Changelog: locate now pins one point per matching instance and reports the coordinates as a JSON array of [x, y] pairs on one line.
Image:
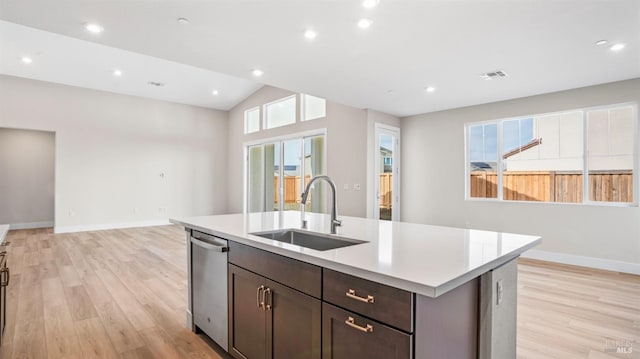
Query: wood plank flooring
[[573, 312], [122, 294], [103, 294]]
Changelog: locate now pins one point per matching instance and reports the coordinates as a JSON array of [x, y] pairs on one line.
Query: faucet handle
[[337, 222]]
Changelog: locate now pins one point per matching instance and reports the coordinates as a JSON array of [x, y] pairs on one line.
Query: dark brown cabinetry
[[268, 320], [4, 282], [364, 325], [346, 335], [282, 308], [381, 302]]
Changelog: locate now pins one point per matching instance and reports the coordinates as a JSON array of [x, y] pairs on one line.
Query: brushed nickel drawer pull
[[267, 298], [259, 297], [352, 294], [352, 323]]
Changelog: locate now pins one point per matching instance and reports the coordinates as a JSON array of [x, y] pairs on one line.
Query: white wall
[[346, 148], [434, 181], [112, 149], [27, 161]]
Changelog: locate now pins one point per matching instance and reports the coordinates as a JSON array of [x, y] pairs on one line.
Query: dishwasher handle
[[218, 248]]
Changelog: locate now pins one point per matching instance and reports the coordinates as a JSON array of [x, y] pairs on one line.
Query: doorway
[[387, 172], [27, 188]]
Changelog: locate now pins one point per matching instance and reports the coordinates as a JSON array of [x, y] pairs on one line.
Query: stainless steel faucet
[[334, 208]]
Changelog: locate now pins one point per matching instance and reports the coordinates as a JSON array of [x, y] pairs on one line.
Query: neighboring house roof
[[483, 166], [533, 143]]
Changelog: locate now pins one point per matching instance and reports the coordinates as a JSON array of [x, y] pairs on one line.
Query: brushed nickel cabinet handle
[[5, 280], [260, 297], [352, 294], [267, 298], [352, 323]]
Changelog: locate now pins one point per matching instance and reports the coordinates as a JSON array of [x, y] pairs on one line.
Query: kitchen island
[[407, 290]]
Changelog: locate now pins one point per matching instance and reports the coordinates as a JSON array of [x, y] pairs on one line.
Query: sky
[[483, 144], [386, 141]]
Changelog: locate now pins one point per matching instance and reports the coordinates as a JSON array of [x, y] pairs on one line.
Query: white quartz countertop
[[425, 259], [4, 229]]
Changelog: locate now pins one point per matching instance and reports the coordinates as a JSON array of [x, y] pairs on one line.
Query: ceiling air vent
[[156, 84], [494, 75]]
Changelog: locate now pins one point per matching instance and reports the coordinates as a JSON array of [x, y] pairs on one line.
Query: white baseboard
[[590, 262], [104, 226], [31, 225]]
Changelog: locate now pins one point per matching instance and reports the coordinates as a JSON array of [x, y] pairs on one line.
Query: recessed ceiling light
[[183, 21], [117, 72], [617, 47], [390, 92], [601, 42], [310, 34], [215, 92], [430, 89], [27, 59], [94, 28], [364, 23], [257, 72], [370, 4]]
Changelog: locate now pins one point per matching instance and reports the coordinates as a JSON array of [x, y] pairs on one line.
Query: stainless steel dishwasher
[[209, 286]]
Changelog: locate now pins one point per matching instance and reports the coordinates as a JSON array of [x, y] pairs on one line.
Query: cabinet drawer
[[304, 277], [389, 305], [346, 335]]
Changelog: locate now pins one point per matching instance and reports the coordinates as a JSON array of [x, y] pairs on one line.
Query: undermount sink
[[313, 240]]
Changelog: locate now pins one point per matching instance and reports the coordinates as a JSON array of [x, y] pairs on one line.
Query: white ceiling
[[66, 60], [544, 46]]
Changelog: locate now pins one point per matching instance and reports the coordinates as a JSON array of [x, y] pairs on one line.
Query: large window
[[278, 171], [284, 112], [554, 157]]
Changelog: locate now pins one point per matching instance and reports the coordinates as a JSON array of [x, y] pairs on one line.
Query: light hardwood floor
[[122, 294]]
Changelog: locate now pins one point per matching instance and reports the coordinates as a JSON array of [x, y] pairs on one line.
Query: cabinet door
[[247, 320], [346, 335], [293, 324]]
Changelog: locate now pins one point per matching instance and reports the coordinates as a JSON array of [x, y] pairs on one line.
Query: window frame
[[303, 108], [246, 122], [585, 157], [293, 136], [265, 117]]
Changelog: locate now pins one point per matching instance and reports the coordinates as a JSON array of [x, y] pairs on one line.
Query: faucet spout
[[335, 222]]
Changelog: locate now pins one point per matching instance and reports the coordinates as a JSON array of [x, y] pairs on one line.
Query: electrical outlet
[[136, 210], [345, 187], [72, 213]]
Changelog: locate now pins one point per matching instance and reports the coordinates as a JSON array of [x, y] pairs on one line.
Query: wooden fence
[[386, 190], [554, 186], [293, 189]]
